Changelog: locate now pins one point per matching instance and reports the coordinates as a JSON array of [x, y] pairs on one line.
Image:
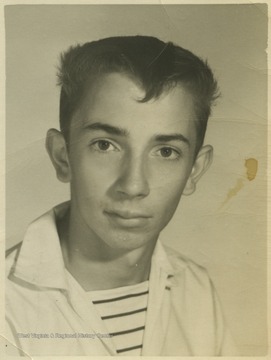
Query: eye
[[166, 152], [169, 153], [104, 146]]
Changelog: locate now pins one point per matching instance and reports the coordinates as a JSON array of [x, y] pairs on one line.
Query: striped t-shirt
[[124, 312]]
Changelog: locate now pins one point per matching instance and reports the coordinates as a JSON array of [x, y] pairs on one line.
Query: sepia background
[[223, 225]]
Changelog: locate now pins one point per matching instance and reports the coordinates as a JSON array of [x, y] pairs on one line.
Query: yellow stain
[[234, 191], [252, 168]]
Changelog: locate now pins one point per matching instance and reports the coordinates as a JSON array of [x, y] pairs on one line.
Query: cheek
[[90, 178], [172, 179], [168, 195]]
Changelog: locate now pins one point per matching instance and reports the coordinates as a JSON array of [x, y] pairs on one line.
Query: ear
[[57, 150], [201, 165]]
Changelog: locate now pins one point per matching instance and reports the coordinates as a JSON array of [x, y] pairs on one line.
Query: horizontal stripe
[[123, 314], [167, 288], [130, 348], [127, 331], [120, 298]]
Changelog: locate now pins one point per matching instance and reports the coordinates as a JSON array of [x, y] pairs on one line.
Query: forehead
[[115, 99]]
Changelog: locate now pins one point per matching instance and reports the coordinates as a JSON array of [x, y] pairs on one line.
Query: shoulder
[[181, 262], [187, 270], [11, 255], [191, 285], [13, 250]]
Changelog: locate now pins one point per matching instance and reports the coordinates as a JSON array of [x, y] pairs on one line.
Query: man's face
[[129, 161]]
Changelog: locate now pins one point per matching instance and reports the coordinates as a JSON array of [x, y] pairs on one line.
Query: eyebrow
[[115, 130], [172, 137]]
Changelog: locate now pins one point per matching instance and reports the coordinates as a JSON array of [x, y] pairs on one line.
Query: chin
[[128, 241]]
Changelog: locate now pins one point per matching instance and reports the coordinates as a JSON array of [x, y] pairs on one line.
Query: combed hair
[[154, 65]]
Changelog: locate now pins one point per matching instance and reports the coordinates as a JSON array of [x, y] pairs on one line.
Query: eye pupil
[[103, 145], [166, 152]]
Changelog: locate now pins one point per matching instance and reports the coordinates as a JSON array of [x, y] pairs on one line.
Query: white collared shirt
[[49, 313]]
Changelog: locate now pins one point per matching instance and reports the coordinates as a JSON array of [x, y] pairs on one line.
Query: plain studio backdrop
[[222, 226]]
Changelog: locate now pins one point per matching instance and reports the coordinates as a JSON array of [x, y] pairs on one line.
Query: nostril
[[133, 182], [134, 188]]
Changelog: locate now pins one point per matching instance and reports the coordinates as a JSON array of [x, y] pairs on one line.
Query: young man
[[91, 277]]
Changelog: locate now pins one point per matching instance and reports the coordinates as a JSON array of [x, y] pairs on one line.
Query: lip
[[128, 218], [127, 214]]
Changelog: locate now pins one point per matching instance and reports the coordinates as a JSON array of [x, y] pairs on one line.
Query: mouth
[[128, 214], [128, 218]]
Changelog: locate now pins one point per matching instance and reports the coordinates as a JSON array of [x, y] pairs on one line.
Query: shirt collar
[[40, 261], [160, 259]]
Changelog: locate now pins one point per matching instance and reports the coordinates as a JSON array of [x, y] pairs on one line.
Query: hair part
[[156, 66]]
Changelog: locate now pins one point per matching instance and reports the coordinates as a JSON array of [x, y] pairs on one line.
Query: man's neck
[[96, 266]]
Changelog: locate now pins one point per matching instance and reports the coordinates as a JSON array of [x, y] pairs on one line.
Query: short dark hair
[[154, 65]]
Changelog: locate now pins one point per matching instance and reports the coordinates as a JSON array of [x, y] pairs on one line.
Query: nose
[[132, 181]]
